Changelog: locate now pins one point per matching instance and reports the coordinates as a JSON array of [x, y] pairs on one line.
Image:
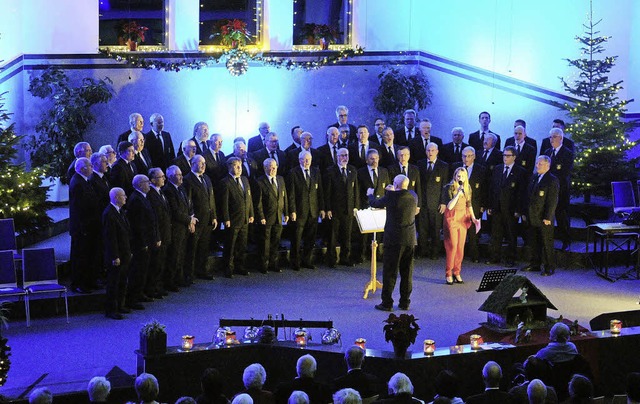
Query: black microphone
[[461, 188]]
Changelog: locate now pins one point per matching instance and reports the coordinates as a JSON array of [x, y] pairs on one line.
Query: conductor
[[399, 240]]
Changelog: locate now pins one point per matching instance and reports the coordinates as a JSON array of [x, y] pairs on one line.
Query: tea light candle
[[187, 342], [230, 337], [301, 338], [615, 326], [361, 342], [475, 341], [429, 346]]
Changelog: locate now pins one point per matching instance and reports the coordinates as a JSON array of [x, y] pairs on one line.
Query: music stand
[[491, 279], [371, 221]]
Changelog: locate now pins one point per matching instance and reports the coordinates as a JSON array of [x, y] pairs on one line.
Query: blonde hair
[[453, 185]]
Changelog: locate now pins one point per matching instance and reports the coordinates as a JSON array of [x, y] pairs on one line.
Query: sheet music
[[371, 220]]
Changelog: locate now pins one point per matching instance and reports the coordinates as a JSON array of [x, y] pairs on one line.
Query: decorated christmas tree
[[600, 133], [22, 197]]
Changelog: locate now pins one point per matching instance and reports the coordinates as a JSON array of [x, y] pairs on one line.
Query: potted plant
[[233, 34], [402, 331], [153, 338], [325, 35], [399, 91], [133, 33]]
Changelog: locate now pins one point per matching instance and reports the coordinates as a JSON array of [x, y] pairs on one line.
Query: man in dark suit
[[542, 199], [306, 141], [476, 139], [566, 142], [525, 153], [491, 375], [84, 228], [271, 206], [215, 160], [154, 286], [451, 152], [306, 204], [259, 141], [116, 235], [236, 213], [110, 153], [364, 383], [341, 200], [434, 174], [81, 149], [200, 190], [399, 240], [379, 126], [296, 131], [183, 160], [123, 171], [144, 237], [248, 165], [305, 381], [342, 114], [408, 131], [100, 184], [358, 150], [141, 159], [183, 223], [528, 140], [200, 137], [329, 150], [344, 140], [418, 145], [388, 150], [561, 168], [136, 123], [271, 150], [491, 155], [508, 191], [158, 143], [479, 189], [403, 167]]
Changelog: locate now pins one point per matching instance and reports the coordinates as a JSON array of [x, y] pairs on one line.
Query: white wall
[[10, 30]]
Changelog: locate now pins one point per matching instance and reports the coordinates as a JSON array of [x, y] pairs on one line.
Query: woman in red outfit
[[458, 217]]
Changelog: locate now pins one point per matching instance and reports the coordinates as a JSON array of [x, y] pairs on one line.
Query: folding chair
[[8, 282], [8, 237], [624, 198], [40, 275]]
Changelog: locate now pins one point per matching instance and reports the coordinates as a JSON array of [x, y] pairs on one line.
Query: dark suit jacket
[[432, 182], [447, 153], [182, 163], [400, 136], [416, 146], [490, 397], [492, 160], [305, 201], [142, 218], [202, 198], [179, 207], [255, 143], [160, 206], [293, 161], [236, 205], [527, 159], [399, 399], [269, 204], [116, 236], [141, 166], [386, 158], [71, 170], [199, 149], [414, 178], [318, 393], [121, 175], [365, 182], [326, 154], [566, 142], [528, 140], [561, 166], [476, 143], [508, 196], [479, 187], [400, 226], [101, 187], [161, 156], [123, 137], [354, 154], [84, 208], [215, 170], [254, 170], [341, 197], [261, 155], [353, 132], [364, 383], [542, 199]]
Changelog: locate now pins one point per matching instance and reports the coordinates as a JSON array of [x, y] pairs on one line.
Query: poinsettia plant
[[234, 33], [133, 31], [402, 328]]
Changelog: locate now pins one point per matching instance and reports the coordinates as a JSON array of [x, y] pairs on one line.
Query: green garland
[[237, 60]]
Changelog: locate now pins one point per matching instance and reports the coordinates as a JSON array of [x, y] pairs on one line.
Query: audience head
[[537, 392], [558, 123], [363, 134], [347, 396], [485, 119], [295, 134], [298, 397], [211, 382], [198, 164], [536, 368], [401, 182], [304, 158], [580, 389], [136, 138], [263, 128], [354, 356], [141, 183], [215, 142], [457, 135], [446, 384], [379, 125], [157, 122], [136, 121], [491, 374], [99, 162], [254, 376], [83, 166], [243, 398], [409, 118], [98, 389], [108, 151], [306, 366], [117, 196], [126, 152], [157, 177], [186, 400], [201, 131], [400, 384], [147, 387], [633, 387], [189, 148], [342, 113], [82, 149], [373, 158], [174, 174], [333, 134], [41, 395], [468, 156]]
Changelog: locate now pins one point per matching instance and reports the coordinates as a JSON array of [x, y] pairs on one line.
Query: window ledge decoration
[[236, 59]]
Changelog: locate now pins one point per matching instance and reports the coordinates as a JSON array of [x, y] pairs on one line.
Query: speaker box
[[629, 319]]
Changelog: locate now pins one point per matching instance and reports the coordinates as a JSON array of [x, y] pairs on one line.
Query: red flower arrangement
[[134, 32], [234, 33]]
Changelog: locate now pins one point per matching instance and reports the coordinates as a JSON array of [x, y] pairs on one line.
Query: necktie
[[344, 174], [215, 157], [468, 171], [484, 155], [375, 177], [246, 167], [505, 174], [161, 140], [131, 167], [363, 155], [306, 177], [239, 183], [203, 146], [482, 137], [273, 183], [457, 151], [553, 155], [335, 153], [273, 156], [391, 153], [426, 142], [404, 170], [429, 166], [409, 132], [518, 150]]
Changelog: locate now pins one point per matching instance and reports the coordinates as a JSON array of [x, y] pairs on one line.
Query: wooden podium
[[372, 221]]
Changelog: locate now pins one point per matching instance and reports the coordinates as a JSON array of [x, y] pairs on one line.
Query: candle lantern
[[361, 342], [230, 337], [301, 335], [475, 340], [187, 342], [615, 326], [429, 346]]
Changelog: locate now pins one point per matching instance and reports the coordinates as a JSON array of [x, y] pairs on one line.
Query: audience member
[[98, 389], [212, 385], [253, 378], [537, 392], [491, 375], [242, 399], [365, 383], [41, 395], [298, 397], [446, 386], [580, 390], [147, 388], [559, 349], [400, 391], [305, 381], [347, 396], [633, 388], [186, 400], [534, 369]]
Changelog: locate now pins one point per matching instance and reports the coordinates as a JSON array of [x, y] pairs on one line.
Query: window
[[116, 14], [318, 22], [216, 13]]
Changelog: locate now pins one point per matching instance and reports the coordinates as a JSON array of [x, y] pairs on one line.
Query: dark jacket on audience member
[[318, 393], [364, 383]]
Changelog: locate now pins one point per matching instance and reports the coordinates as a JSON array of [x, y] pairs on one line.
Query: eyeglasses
[[342, 115], [508, 155]]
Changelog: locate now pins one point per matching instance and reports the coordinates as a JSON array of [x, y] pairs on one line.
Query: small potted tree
[[153, 338], [402, 331]]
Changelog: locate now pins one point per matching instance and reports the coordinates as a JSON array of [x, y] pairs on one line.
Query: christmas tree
[[600, 134], [22, 196]]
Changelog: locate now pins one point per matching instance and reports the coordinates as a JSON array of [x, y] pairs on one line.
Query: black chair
[[624, 198], [563, 372], [8, 237], [40, 275], [8, 282]]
